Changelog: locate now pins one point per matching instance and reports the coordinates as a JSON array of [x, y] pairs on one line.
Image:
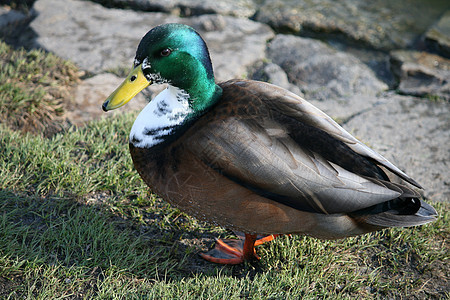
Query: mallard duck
[[254, 157]]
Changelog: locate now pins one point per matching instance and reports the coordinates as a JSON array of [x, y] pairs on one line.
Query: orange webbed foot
[[236, 251]]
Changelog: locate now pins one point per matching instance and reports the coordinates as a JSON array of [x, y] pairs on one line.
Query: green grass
[[23, 5], [74, 162], [34, 87], [77, 222]]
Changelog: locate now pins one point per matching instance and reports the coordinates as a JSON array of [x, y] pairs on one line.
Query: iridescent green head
[[174, 54]]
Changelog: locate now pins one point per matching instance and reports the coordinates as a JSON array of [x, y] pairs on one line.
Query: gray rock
[[98, 39], [12, 24], [235, 44], [343, 110], [414, 135], [382, 24], [438, 37], [321, 71], [273, 73], [95, 38], [421, 73], [237, 8], [10, 17]]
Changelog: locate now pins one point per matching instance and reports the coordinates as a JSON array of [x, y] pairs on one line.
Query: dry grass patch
[[35, 86]]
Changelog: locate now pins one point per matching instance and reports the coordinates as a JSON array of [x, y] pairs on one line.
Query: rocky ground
[[381, 68]]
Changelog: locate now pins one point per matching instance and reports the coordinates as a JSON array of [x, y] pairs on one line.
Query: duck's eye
[[166, 52]]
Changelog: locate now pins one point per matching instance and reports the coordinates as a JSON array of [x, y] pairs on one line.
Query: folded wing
[[280, 146]]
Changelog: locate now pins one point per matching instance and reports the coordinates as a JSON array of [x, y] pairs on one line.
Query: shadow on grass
[[61, 231], [59, 243]]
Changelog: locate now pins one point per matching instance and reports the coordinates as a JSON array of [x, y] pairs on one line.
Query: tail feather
[[401, 213], [426, 210], [404, 191]]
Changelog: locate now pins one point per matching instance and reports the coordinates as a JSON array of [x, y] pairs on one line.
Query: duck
[[253, 157]]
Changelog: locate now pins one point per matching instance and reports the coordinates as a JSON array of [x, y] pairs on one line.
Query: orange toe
[[226, 252], [266, 239], [236, 251]]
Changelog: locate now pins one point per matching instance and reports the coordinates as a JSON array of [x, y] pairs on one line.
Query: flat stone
[[99, 39], [320, 71], [237, 8], [381, 24], [438, 37], [421, 73], [414, 135]]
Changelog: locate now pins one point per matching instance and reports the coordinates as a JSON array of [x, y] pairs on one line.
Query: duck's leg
[[236, 251]]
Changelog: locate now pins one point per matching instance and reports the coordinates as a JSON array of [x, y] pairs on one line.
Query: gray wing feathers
[[274, 164], [299, 108]]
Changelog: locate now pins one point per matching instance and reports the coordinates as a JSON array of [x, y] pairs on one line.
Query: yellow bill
[[132, 85]]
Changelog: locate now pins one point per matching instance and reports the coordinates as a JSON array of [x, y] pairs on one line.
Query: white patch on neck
[[158, 119]]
